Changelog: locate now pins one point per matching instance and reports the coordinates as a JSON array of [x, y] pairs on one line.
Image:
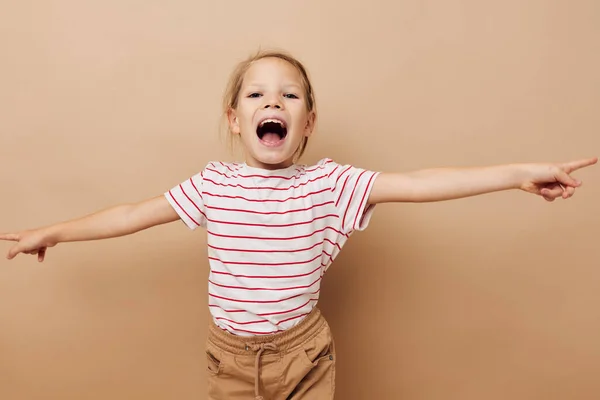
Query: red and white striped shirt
[[272, 234]]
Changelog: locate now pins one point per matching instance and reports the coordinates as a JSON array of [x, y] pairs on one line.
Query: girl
[[275, 226]]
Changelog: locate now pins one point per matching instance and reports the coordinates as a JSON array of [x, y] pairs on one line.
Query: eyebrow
[[260, 85]]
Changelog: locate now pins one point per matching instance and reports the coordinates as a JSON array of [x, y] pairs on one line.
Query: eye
[[290, 96], [254, 95]]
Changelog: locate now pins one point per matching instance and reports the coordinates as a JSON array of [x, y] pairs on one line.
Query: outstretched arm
[[547, 180], [112, 222]]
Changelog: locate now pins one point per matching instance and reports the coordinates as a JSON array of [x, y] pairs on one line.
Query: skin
[[271, 87], [548, 180], [274, 87]]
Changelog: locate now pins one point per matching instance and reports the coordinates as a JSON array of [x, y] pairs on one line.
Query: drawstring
[[261, 349]]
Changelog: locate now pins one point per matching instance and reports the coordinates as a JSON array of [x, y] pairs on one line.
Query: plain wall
[[490, 297]]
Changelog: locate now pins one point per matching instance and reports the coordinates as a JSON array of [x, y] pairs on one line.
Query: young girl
[[275, 226]]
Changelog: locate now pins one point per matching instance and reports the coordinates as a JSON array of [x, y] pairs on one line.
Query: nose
[[273, 103]]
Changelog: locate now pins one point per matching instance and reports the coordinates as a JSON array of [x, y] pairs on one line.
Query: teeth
[[272, 120]]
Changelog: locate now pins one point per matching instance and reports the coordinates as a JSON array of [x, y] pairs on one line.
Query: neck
[[272, 167]]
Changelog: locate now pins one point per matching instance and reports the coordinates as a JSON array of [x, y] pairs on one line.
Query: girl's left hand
[[553, 180]]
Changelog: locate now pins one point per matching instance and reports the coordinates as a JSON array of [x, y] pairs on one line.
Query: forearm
[[113, 222], [440, 184], [108, 223]]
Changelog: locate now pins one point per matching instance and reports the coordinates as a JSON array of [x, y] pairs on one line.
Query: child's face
[[272, 91]]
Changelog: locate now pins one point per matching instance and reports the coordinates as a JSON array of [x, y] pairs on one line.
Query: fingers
[[16, 249], [568, 192], [565, 179], [552, 192], [556, 190], [575, 165], [10, 236], [546, 197], [30, 245], [42, 254], [12, 253], [565, 184]]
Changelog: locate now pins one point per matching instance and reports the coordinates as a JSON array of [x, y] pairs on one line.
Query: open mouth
[[271, 131]]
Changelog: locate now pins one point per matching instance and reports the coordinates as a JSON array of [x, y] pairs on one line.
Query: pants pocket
[[320, 350], [214, 362], [315, 375]]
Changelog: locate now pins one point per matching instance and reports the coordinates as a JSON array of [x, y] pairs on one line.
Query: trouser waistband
[[309, 326]]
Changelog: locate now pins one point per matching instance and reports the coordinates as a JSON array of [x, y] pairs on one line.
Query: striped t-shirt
[[272, 234]]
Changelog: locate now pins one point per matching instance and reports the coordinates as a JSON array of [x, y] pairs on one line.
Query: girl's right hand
[[28, 242]]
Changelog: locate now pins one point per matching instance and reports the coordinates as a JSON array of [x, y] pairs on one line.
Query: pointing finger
[[575, 165], [10, 236]]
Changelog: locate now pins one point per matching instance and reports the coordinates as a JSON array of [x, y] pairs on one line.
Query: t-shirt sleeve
[[186, 199], [351, 187]]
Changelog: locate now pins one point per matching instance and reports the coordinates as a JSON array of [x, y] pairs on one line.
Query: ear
[[234, 125], [310, 124]]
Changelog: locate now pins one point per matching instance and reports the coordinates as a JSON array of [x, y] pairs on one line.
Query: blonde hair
[[234, 86]]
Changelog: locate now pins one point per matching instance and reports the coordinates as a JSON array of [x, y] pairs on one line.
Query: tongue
[[271, 137]]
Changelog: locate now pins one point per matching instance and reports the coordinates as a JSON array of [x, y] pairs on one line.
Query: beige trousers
[[292, 365]]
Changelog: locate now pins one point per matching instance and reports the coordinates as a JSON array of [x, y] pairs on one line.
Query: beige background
[[492, 297]]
